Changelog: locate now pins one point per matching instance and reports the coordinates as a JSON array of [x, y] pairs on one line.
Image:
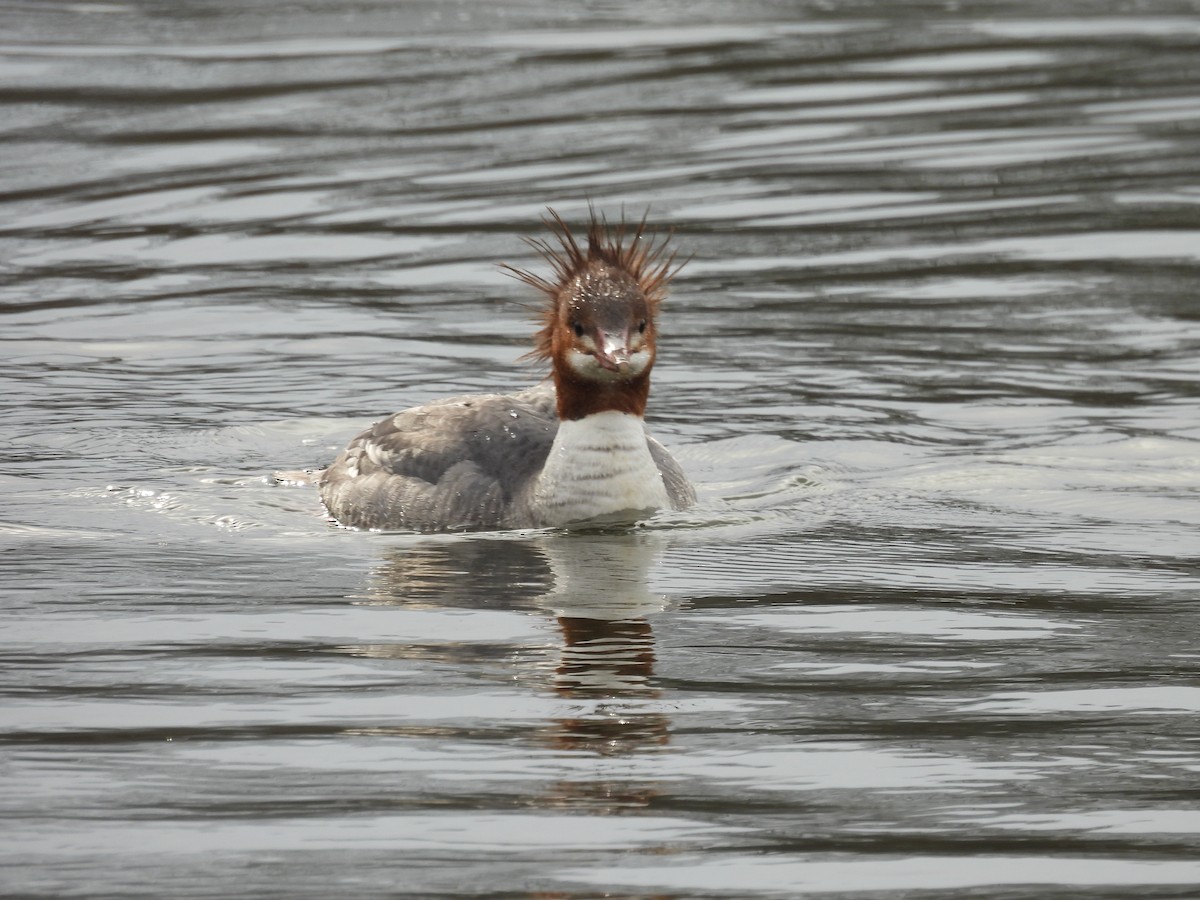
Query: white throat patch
[[599, 468]]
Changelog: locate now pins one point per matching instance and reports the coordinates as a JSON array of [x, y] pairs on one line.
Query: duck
[[571, 451]]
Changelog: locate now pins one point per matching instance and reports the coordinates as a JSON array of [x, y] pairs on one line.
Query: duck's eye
[[578, 329], [642, 327]]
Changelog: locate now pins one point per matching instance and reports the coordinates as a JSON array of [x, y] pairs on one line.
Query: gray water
[[934, 367]]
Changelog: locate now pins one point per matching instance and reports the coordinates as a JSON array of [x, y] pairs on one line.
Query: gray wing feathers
[[448, 465], [679, 489]]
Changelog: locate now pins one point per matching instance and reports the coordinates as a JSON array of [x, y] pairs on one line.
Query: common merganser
[[571, 452]]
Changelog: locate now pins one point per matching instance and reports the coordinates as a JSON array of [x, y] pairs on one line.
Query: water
[[933, 367]]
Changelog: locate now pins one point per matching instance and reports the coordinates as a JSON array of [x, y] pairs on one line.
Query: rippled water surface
[[934, 366]]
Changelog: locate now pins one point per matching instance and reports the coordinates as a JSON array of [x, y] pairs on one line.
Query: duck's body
[[572, 452], [492, 461]]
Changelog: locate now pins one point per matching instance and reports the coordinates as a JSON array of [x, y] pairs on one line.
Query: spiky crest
[[642, 259]]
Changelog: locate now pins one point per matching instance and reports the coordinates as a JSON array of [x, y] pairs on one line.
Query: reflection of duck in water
[[601, 596], [557, 454], [596, 587]]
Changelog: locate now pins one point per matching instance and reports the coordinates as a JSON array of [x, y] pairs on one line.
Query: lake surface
[[934, 366]]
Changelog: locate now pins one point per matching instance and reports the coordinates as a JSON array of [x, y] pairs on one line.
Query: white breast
[[599, 468]]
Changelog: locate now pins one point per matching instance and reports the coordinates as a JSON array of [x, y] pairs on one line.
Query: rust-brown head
[[599, 322]]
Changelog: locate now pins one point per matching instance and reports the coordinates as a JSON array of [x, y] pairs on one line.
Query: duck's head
[[599, 322]]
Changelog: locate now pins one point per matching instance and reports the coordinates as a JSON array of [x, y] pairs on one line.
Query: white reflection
[[604, 577]]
